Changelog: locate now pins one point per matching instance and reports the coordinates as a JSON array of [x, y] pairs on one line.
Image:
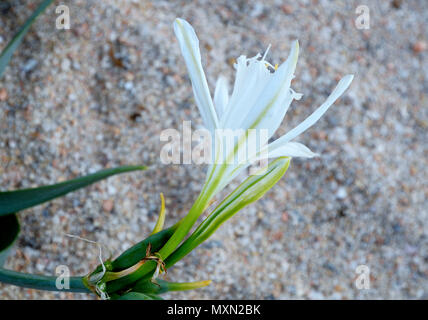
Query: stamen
[[266, 52], [267, 64]]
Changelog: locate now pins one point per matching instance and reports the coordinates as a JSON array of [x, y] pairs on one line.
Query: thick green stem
[[40, 282]]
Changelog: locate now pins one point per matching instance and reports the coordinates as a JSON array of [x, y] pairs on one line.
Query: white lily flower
[[260, 99]]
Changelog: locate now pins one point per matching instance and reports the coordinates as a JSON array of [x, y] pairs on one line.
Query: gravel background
[[98, 95]]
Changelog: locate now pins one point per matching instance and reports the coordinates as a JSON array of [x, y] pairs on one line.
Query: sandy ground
[[99, 95]]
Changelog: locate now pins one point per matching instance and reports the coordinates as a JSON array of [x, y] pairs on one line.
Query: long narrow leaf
[[7, 53], [14, 201]]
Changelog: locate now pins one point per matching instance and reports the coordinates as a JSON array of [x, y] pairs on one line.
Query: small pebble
[[3, 94], [341, 193], [287, 9], [420, 46], [108, 205]]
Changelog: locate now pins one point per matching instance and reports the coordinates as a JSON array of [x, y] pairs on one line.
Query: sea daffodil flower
[[259, 101]]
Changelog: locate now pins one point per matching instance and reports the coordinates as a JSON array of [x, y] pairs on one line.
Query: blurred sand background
[[99, 95]]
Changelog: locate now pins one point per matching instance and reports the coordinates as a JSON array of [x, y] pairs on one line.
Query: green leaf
[[138, 296], [249, 191], [14, 201], [7, 53], [9, 230]]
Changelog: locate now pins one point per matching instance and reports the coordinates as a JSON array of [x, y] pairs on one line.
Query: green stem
[[40, 282], [185, 226]]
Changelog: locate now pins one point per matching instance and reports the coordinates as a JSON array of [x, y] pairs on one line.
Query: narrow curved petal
[[189, 45], [316, 115], [221, 96], [291, 149]]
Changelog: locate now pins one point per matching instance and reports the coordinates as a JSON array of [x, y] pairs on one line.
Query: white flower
[[260, 98]]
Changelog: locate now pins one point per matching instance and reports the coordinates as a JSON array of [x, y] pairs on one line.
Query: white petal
[[291, 149], [262, 105], [317, 114], [252, 77], [221, 96], [189, 45], [271, 99]]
